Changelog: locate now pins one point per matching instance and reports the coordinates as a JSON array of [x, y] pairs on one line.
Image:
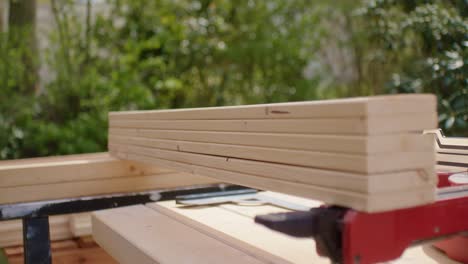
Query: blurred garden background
[[65, 64]]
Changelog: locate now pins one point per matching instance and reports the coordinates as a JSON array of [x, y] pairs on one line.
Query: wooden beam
[[182, 244], [189, 152], [75, 189], [448, 142], [338, 125], [314, 142], [458, 160], [83, 175], [80, 224], [349, 107], [449, 145], [230, 224], [360, 201], [384, 182], [70, 169], [361, 137]]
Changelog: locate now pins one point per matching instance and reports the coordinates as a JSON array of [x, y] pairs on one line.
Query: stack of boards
[[71, 176], [451, 152], [365, 153]]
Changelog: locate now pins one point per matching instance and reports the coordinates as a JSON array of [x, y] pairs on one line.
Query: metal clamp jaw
[[324, 224]]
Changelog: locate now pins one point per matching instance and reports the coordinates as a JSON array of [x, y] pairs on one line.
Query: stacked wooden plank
[[166, 232], [73, 176], [452, 151], [366, 153]]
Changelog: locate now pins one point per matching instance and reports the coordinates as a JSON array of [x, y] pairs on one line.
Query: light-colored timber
[[38, 179], [49, 191], [459, 160], [231, 225], [34, 171], [130, 243], [384, 182], [365, 164], [447, 142], [348, 107], [327, 143], [359, 201], [352, 125]]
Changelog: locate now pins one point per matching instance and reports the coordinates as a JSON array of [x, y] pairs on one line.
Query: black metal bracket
[[36, 240], [35, 215], [324, 224]]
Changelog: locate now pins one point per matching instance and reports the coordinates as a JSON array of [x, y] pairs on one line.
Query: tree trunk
[[22, 35], [22, 13], [2, 11]]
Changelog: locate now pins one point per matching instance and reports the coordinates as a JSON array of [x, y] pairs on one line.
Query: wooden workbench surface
[[167, 233]]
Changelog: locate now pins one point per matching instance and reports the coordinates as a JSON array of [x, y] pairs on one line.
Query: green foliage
[[427, 45], [163, 54], [186, 53], [16, 99], [202, 53]]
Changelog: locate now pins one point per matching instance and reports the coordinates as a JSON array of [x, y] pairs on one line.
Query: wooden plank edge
[[348, 181], [345, 107], [100, 187], [408, 142], [325, 160], [370, 203]]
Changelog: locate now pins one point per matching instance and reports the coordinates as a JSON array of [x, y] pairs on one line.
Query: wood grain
[[43, 192], [348, 107], [353, 126], [135, 243], [26, 172], [360, 201], [384, 182], [190, 152], [315, 142]]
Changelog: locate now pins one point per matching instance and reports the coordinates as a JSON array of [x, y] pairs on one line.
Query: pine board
[[348, 107], [448, 142], [191, 152], [135, 243], [459, 160], [231, 226], [316, 142], [39, 160], [353, 125], [448, 145], [360, 201], [75, 189], [72, 168], [385, 182], [80, 224]]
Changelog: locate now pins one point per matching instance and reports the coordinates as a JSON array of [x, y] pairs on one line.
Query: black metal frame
[[35, 215]]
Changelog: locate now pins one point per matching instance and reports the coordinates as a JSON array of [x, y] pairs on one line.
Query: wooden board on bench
[[167, 233]]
